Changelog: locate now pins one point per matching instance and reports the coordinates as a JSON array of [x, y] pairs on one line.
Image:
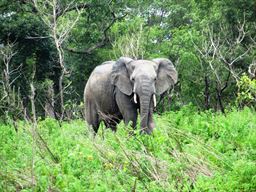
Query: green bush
[[188, 151], [247, 91]]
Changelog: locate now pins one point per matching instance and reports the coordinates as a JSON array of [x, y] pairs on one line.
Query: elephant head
[[144, 79]]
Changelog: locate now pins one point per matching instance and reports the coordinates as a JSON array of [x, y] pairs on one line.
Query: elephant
[[118, 90]]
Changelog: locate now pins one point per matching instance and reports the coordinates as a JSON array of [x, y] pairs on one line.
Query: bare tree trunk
[[62, 110], [58, 43], [49, 103], [33, 131], [206, 93], [33, 108], [219, 91]]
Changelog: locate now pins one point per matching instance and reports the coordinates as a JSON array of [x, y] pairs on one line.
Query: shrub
[[188, 151]]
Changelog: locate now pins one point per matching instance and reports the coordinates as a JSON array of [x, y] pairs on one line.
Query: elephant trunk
[[144, 113], [146, 103]]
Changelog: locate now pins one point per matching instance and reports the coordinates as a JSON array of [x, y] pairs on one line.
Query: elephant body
[[117, 90]]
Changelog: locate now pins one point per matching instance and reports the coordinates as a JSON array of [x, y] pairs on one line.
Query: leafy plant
[[188, 151], [247, 91]]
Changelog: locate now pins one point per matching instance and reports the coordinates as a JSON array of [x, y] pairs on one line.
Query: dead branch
[[73, 7], [241, 30], [252, 70]]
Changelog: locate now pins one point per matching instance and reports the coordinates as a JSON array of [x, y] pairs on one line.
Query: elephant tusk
[[154, 100], [135, 98]]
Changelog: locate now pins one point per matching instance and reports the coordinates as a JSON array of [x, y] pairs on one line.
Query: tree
[[51, 12]]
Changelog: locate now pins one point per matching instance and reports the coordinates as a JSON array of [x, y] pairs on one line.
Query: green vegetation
[[247, 91], [48, 49], [188, 151]]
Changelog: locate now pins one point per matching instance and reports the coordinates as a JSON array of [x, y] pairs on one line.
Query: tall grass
[[188, 151]]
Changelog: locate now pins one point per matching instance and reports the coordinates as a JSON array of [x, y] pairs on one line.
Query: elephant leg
[[111, 125], [127, 108], [112, 122], [92, 116]]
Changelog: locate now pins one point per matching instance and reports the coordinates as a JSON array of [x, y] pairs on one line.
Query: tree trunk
[[49, 103], [219, 99], [61, 95], [206, 93]]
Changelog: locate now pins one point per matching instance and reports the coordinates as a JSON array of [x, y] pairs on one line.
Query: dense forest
[[205, 127]]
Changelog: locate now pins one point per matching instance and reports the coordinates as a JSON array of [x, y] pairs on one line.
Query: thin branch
[[73, 8], [101, 43], [37, 37], [15, 79], [226, 82], [241, 30]]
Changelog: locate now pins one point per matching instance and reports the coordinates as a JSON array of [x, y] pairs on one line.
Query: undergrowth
[[188, 151]]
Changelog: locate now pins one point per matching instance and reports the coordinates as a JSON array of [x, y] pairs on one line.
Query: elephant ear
[[167, 75], [120, 77]]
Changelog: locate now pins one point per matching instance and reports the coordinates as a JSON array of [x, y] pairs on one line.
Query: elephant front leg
[[130, 116], [127, 108]]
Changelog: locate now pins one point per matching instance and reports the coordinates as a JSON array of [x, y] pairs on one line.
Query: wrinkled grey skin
[[110, 90]]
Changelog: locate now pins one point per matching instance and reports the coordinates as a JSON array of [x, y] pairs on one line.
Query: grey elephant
[[117, 90]]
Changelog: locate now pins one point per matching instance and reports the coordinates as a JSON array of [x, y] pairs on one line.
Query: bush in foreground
[[188, 151]]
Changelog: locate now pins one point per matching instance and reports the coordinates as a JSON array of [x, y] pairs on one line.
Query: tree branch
[[73, 8], [101, 43], [89, 50]]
